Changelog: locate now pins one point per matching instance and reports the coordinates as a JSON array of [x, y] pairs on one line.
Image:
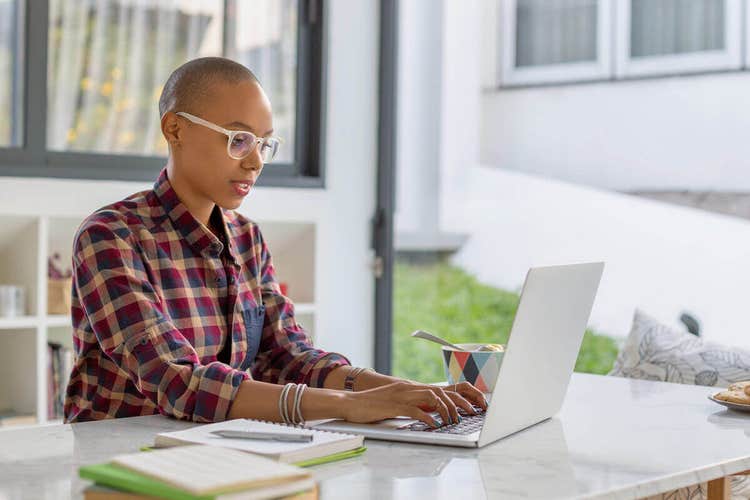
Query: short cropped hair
[[195, 79]]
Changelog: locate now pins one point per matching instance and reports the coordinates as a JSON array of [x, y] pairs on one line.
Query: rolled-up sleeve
[[128, 319], [286, 352]]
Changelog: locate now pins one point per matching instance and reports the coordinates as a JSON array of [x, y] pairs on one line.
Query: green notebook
[[331, 458], [121, 478], [117, 477]]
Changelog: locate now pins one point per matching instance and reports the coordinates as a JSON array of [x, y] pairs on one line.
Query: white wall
[[659, 257], [438, 111], [418, 116], [666, 133], [460, 105], [344, 288]]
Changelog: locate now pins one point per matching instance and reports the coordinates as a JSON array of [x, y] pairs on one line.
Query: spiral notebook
[[324, 443]]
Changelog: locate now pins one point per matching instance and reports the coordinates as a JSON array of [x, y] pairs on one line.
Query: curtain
[[555, 31], [664, 27], [7, 60], [270, 50], [107, 61]]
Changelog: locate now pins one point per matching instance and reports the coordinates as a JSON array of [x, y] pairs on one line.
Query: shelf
[[18, 322], [292, 247], [19, 251], [304, 308], [59, 320], [13, 420]]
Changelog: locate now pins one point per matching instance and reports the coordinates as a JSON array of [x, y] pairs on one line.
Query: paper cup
[[479, 368]]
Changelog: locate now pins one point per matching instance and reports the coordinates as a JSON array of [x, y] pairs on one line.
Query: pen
[[272, 436]]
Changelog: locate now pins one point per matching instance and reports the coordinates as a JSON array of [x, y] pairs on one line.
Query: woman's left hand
[[460, 395]]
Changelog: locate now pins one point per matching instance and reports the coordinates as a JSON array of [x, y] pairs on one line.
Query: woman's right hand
[[400, 399]]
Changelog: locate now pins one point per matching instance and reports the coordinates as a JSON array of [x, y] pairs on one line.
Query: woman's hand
[[413, 400]]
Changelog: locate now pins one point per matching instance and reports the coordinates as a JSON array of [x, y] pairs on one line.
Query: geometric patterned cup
[[479, 368]]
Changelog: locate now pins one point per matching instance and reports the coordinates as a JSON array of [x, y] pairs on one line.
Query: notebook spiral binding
[[296, 426]]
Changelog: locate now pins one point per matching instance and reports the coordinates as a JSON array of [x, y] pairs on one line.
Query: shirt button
[[231, 279], [219, 281], [144, 341]]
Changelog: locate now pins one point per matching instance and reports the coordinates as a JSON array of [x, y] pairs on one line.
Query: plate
[[730, 405]]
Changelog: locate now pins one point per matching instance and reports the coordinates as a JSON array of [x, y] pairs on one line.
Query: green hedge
[[444, 300]]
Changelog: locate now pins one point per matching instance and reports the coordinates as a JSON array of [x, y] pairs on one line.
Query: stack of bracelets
[[295, 417]]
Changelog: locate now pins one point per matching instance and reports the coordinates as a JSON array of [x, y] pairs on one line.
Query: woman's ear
[[171, 128]]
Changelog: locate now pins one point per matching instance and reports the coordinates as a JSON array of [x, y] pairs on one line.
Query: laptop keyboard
[[468, 425]]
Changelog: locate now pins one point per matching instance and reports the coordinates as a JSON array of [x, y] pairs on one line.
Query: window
[[10, 60], [558, 41], [106, 62], [678, 36], [547, 41], [271, 51]]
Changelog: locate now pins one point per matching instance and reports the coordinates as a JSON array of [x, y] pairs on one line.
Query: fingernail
[[460, 419], [435, 423]]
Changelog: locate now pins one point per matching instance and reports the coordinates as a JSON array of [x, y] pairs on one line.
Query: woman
[[175, 295]]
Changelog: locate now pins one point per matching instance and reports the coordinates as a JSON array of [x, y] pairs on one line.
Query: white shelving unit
[[26, 242]]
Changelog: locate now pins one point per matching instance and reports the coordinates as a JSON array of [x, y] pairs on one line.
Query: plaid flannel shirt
[[149, 283]]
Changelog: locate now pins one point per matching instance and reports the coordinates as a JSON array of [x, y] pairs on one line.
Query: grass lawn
[[445, 300]]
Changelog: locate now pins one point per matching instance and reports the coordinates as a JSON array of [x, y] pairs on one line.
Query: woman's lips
[[242, 188]]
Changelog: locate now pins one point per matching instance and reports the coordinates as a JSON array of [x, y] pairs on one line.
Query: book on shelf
[[326, 446], [196, 472], [59, 365]]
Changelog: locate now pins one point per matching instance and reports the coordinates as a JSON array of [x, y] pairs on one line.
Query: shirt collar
[[194, 232]]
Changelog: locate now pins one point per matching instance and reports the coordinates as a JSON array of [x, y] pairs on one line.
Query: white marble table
[[614, 438]]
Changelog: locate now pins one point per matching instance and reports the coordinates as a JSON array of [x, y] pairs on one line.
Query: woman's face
[[200, 158]]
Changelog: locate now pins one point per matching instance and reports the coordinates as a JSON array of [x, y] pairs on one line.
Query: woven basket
[[58, 295]]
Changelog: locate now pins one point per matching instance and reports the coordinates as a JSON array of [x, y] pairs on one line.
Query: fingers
[[454, 416], [461, 402], [416, 413], [428, 400], [471, 393], [443, 403]]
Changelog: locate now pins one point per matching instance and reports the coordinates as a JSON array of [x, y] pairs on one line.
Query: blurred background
[[536, 132]]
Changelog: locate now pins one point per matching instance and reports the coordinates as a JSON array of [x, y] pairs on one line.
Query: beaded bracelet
[[350, 377]]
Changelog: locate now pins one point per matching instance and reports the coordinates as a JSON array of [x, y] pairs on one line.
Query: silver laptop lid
[[543, 346]]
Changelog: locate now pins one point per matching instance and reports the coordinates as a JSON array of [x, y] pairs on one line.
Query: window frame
[[509, 75], [696, 62], [17, 91], [32, 158]]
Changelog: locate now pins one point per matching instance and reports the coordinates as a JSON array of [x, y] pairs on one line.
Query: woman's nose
[[253, 161]]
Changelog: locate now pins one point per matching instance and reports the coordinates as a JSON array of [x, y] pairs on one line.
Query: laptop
[[539, 358]]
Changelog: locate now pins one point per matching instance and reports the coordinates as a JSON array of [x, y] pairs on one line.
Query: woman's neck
[[199, 206]]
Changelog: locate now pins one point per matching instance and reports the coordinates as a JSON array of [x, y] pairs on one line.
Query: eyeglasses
[[239, 142]]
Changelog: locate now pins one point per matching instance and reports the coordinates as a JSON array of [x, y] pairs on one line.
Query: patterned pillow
[[654, 351]]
